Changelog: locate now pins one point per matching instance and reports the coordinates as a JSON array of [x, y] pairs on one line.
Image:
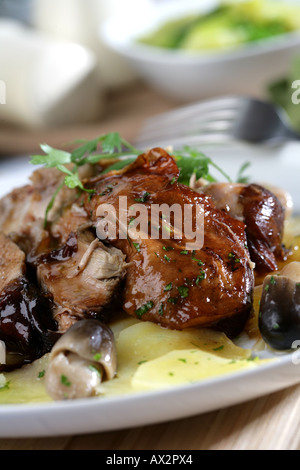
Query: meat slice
[[263, 215], [166, 283], [26, 324], [82, 278], [12, 262], [22, 212]]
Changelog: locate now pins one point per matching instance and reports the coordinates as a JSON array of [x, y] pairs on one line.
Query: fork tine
[[194, 110], [192, 140], [196, 129], [192, 118]]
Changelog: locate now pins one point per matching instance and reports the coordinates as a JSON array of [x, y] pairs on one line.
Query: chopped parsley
[[65, 381], [234, 258], [97, 356], [168, 248], [169, 287], [173, 300], [144, 309], [200, 278], [161, 310], [137, 247], [184, 252], [144, 198], [41, 374], [200, 263], [220, 348], [183, 291], [107, 190], [167, 258], [131, 221]]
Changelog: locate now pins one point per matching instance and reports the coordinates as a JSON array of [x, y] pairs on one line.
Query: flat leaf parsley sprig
[[112, 146]]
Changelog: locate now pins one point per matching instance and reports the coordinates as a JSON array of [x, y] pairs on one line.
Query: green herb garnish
[[65, 381], [191, 161], [200, 278], [112, 147], [137, 246], [168, 287], [183, 291], [144, 309], [219, 348], [97, 357], [161, 310], [144, 198]]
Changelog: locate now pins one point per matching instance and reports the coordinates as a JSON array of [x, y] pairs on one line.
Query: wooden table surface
[[268, 423]]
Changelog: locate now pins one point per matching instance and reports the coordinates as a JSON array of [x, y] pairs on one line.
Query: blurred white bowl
[[186, 77]]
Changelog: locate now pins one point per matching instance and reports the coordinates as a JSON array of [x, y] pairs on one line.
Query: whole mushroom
[[80, 360], [279, 317]]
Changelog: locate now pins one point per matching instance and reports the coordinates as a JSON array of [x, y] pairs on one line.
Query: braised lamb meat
[[165, 283], [82, 282]]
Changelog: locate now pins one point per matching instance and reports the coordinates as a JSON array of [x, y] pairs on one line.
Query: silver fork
[[219, 120]]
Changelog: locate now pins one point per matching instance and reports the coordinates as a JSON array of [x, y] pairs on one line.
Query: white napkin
[[46, 81]]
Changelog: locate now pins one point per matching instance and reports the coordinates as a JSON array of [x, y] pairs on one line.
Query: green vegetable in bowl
[[229, 25]]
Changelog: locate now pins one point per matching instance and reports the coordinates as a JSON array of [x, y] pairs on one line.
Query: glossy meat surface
[[263, 215], [166, 283]]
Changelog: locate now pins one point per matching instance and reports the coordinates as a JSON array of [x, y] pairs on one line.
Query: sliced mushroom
[[80, 360], [279, 319]]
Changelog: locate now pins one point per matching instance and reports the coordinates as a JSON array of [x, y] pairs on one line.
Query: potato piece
[[184, 367]]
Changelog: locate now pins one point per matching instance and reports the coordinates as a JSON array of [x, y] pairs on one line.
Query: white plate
[[276, 166]]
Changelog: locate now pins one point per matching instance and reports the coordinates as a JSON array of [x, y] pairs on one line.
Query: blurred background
[[77, 68]]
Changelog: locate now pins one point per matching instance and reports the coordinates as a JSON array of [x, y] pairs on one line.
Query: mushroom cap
[[80, 359], [90, 340]]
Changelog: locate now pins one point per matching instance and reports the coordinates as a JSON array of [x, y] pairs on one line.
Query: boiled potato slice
[[183, 367]]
